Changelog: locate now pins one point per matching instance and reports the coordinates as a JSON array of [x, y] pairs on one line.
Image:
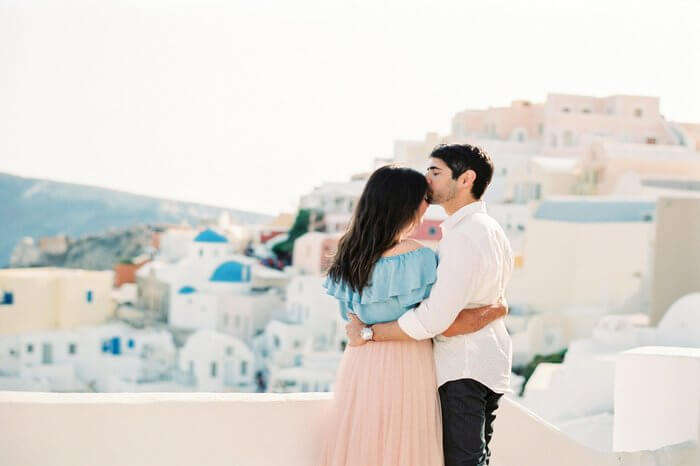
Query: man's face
[[441, 187]]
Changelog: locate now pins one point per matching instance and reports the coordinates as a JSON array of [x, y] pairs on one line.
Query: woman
[[386, 409]]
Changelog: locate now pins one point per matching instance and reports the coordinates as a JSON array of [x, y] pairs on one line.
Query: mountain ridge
[[38, 207]]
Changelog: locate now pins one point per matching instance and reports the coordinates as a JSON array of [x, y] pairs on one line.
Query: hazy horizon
[[250, 105]]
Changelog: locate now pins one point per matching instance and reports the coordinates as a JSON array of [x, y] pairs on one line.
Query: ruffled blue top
[[398, 283]]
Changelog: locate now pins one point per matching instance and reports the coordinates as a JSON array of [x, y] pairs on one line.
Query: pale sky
[[251, 104]]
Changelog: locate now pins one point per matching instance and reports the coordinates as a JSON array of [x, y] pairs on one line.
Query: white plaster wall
[[657, 398], [233, 429], [584, 264]]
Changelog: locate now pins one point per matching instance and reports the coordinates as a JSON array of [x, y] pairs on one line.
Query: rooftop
[[217, 429], [596, 210]]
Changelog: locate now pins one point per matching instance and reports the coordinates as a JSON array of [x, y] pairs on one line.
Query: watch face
[[366, 333]]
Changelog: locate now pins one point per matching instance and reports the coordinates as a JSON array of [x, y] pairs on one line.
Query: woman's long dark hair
[[388, 205]]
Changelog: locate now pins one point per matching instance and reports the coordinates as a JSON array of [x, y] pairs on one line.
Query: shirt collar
[[466, 211]]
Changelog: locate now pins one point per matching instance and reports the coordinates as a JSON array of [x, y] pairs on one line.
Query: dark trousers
[[468, 410]]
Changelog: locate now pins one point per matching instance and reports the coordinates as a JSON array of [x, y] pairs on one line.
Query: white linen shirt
[[476, 262]]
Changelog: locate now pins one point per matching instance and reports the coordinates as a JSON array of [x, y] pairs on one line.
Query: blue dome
[[186, 290], [231, 272], [210, 236]]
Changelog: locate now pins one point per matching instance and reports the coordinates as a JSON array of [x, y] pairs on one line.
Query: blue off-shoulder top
[[397, 283]]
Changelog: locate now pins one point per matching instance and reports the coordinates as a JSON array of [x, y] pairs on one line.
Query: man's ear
[[467, 178]]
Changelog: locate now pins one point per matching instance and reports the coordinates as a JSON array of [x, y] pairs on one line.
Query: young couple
[[416, 325]]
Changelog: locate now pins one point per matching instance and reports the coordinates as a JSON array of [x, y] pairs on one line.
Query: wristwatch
[[366, 333]]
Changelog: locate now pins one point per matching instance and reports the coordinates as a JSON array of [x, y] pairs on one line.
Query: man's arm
[[468, 321], [460, 275], [472, 320]]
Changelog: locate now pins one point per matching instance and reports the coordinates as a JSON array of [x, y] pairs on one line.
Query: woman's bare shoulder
[[412, 245], [403, 247]]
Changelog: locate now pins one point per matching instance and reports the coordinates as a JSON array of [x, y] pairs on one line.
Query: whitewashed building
[[310, 306], [337, 202], [213, 288], [89, 357], [214, 361]]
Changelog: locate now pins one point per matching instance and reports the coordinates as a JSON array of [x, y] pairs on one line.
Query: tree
[[304, 218]]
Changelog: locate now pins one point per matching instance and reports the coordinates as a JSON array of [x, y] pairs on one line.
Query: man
[[476, 262]]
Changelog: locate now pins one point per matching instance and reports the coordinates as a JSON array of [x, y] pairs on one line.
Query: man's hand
[[352, 330]]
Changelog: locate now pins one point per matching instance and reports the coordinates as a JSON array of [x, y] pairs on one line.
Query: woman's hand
[[472, 320], [352, 330]]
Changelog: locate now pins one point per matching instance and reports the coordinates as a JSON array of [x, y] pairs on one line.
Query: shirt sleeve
[[459, 275]]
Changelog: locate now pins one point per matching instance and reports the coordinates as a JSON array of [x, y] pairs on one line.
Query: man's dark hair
[[463, 157]]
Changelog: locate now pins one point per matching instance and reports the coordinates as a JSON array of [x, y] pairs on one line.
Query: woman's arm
[[471, 320]]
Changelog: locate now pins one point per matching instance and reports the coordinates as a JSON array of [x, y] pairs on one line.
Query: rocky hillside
[[38, 208], [93, 252]]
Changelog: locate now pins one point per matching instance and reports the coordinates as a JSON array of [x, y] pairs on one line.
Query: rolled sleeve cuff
[[412, 327]]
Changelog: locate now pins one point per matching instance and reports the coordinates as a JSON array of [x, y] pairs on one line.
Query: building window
[[244, 367], [130, 343], [276, 341], [297, 344], [213, 369], [30, 348], [229, 351], [201, 252], [540, 129], [105, 346], [7, 298], [586, 110], [237, 321], [88, 296], [651, 140], [553, 140], [72, 348], [566, 110], [568, 138], [638, 112]]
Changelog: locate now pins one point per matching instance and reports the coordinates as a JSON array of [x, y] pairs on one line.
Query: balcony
[[233, 429]]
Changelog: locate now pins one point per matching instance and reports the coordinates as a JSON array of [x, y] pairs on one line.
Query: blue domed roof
[[186, 290], [231, 272], [210, 236]]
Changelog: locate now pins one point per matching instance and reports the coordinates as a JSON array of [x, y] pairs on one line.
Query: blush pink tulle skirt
[[386, 409]]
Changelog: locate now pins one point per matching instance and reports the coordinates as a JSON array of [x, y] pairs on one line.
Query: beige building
[[522, 121], [314, 251], [613, 135], [50, 298], [565, 122], [586, 253], [611, 167], [676, 262]]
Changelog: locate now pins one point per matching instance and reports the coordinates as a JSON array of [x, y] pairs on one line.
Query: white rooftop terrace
[[182, 429]]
